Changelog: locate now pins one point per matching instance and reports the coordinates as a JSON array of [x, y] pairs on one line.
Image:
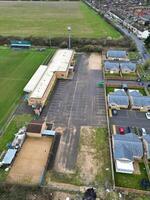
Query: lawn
[[130, 180], [16, 68], [51, 19]]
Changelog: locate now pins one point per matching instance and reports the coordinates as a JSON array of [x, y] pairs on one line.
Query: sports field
[[51, 19], [16, 68]]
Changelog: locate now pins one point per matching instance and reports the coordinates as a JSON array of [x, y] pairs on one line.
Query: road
[[75, 103]]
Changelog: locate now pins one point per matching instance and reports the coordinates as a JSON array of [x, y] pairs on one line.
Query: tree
[[147, 41], [146, 65]]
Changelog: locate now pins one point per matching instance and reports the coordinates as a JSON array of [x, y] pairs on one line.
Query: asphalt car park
[[130, 118], [75, 103]]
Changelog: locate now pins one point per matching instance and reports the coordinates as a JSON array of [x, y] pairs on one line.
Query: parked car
[[148, 115], [114, 112], [128, 129], [143, 131], [121, 131]]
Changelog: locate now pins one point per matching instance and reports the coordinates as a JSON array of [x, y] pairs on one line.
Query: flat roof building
[[35, 79]]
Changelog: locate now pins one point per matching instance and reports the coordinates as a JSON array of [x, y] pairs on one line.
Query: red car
[[121, 131]]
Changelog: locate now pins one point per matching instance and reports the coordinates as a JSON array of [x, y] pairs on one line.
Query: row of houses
[[131, 99], [117, 67], [127, 149], [140, 31], [117, 62], [42, 82]]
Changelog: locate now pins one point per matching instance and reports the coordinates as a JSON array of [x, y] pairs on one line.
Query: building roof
[[61, 60], [140, 101], [134, 93], [35, 127], [118, 97], [48, 133], [9, 156], [43, 84], [20, 43], [35, 79], [128, 66], [127, 146], [116, 54], [147, 139], [108, 65], [124, 166]]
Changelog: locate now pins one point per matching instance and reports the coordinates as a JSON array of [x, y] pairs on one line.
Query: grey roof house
[[138, 101], [116, 55], [118, 99], [127, 67], [146, 140], [126, 148], [112, 67]]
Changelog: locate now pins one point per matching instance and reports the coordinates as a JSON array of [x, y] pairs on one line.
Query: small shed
[[48, 133], [35, 128], [9, 156], [20, 44]]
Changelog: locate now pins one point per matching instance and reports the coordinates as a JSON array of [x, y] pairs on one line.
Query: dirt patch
[[95, 61], [87, 162], [30, 162]]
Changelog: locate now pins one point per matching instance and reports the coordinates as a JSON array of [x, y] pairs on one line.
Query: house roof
[[118, 97], [128, 65], [35, 127], [140, 101], [127, 146], [9, 156], [134, 93], [111, 65], [116, 54], [147, 139]]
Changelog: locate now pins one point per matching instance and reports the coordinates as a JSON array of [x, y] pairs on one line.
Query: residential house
[[138, 101], [146, 141], [111, 67], [118, 99], [116, 55], [126, 149], [127, 67]]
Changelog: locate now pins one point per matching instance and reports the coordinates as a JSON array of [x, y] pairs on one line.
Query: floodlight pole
[[69, 37]]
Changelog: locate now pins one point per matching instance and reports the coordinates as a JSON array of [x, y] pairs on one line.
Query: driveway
[[130, 118], [75, 103]]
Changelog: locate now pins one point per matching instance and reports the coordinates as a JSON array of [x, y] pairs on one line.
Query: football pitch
[[16, 68], [51, 19]]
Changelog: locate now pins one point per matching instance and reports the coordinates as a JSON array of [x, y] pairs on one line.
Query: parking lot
[[126, 118], [75, 103]]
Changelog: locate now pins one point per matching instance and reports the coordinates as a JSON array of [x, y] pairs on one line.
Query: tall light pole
[[69, 37]]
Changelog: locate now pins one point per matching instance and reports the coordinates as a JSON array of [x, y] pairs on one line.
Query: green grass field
[[16, 68], [51, 19]]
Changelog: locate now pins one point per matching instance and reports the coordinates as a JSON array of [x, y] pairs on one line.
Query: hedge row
[[82, 44]]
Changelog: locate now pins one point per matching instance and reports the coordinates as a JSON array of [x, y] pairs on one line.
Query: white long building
[[31, 85], [58, 67]]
